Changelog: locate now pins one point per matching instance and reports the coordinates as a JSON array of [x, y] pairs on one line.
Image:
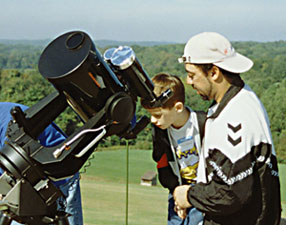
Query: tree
[[21, 82]]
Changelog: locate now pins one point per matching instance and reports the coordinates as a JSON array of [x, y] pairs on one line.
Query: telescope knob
[[120, 108]]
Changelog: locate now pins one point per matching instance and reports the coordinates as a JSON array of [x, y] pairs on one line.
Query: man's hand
[[180, 196], [182, 213]]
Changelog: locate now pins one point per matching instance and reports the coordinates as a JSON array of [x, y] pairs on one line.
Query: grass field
[[282, 175], [103, 188]]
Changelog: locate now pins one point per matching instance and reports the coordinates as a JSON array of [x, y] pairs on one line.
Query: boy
[[176, 144]]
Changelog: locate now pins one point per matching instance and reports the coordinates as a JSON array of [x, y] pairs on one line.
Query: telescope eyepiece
[[75, 40]]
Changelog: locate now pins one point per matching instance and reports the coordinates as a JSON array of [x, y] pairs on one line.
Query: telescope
[[102, 90]]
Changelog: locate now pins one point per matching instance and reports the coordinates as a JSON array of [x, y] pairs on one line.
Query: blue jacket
[[51, 136]]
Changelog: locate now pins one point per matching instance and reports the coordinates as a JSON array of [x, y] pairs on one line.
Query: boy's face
[[163, 117]]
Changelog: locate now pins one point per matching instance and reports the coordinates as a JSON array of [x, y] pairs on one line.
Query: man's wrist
[[188, 196], [181, 196]]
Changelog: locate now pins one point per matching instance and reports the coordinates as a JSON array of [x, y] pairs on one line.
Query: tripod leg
[[5, 219]]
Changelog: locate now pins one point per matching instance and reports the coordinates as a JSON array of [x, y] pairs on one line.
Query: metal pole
[[127, 181]]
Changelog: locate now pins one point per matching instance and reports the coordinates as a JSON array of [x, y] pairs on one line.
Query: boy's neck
[[182, 118]]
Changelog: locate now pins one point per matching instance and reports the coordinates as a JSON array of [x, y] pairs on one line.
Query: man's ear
[[215, 73], [179, 107]]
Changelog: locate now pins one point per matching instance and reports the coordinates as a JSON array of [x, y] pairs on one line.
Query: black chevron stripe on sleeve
[[234, 128], [234, 142]]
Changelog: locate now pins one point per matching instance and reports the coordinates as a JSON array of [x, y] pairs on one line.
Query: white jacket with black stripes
[[238, 181]]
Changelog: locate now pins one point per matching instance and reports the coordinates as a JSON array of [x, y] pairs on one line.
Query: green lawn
[[282, 175], [104, 203], [103, 189]]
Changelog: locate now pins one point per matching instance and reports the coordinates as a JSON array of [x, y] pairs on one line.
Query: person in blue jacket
[[51, 136]]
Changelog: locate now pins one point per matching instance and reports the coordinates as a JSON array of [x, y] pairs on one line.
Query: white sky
[[144, 20]]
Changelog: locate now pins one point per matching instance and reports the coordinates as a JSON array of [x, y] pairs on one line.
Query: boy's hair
[[163, 82]]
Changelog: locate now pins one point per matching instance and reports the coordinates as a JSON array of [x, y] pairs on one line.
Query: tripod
[[60, 219]]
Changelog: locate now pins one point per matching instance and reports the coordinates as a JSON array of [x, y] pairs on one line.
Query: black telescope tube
[[75, 67]]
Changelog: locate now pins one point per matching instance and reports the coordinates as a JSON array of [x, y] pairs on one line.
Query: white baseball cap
[[211, 47]]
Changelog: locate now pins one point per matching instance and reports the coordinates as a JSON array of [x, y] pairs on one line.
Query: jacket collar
[[231, 92]]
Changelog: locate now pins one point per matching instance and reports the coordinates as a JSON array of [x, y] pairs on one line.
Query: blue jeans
[[194, 216], [71, 190]]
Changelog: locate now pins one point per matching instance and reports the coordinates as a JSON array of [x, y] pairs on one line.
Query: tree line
[[21, 82]]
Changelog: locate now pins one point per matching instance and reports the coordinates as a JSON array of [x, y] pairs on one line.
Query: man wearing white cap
[[238, 181]]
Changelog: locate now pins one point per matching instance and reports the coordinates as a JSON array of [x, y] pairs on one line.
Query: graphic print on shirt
[[234, 130], [188, 158]]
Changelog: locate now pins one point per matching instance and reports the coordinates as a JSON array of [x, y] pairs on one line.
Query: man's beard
[[204, 97]]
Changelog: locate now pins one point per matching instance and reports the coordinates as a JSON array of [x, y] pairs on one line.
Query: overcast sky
[[144, 20]]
